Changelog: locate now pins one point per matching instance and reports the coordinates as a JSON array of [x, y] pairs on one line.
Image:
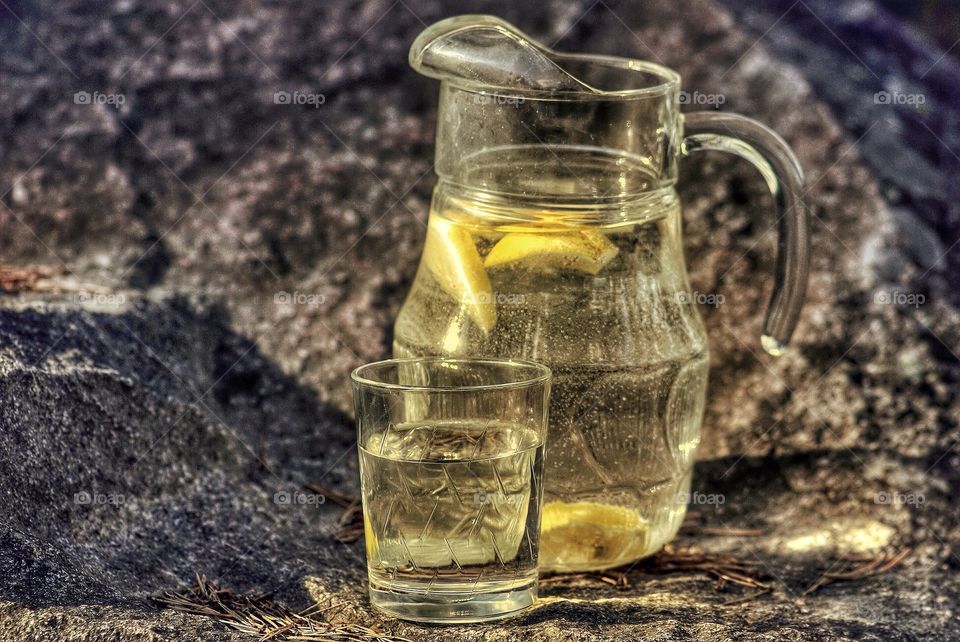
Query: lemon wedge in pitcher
[[453, 260], [582, 535], [582, 250]]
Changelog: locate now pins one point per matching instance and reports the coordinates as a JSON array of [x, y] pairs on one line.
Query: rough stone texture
[[252, 253]]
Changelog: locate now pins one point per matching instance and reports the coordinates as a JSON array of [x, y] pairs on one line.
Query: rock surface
[[247, 254]]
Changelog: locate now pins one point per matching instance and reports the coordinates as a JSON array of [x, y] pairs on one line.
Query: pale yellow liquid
[[629, 362], [451, 507]]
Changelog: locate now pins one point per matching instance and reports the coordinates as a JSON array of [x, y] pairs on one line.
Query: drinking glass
[[451, 458]]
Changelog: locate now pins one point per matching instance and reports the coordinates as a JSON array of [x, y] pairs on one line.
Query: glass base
[[439, 607]]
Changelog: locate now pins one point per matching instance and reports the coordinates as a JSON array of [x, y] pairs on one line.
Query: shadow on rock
[[142, 444]]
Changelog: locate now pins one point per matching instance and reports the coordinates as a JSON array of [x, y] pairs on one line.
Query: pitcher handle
[[773, 157]]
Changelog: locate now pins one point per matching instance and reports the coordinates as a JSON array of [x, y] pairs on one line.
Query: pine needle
[[259, 615], [859, 569], [723, 568]]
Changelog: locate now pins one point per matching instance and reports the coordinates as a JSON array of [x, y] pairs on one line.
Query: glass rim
[[541, 374]]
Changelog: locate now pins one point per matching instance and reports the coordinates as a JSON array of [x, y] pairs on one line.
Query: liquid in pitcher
[[601, 296]]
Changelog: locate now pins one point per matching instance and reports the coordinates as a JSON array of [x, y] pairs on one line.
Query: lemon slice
[[583, 250], [369, 538], [580, 535], [454, 262]]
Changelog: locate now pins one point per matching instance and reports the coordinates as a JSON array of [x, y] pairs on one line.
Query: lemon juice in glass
[[555, 235], [451, 461]]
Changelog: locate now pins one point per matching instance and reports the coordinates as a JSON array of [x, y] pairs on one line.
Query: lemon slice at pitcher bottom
[[454, 262], [581, 534], [583, 250]]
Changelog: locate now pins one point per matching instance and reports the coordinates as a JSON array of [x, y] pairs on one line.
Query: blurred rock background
[[194, 269]]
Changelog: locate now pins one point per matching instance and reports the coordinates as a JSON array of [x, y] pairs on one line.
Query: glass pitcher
[[554, 236]]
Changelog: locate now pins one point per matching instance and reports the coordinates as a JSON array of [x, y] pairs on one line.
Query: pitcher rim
[[668, 81]]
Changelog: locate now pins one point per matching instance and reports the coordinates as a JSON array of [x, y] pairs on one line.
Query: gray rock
[[919, 242], [255, 252]]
